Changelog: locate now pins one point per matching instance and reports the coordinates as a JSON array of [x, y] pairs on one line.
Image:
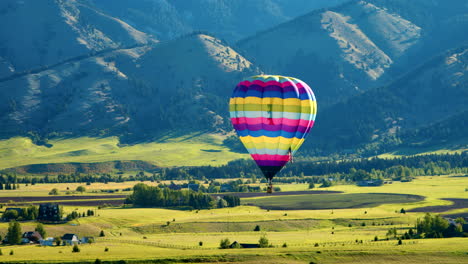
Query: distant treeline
[[151, 196], [402, 168], [392, 168]]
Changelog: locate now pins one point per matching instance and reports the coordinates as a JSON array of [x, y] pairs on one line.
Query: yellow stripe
[[271, 143]]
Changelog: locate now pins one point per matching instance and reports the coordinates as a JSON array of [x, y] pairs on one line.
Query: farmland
[[319, 227]]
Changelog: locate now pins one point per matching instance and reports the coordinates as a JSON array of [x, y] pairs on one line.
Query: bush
[[81, 189], [224, 243], [54, 191], [58, 241], [97, 261], [263, 242], [76, 249], [376, 238], [200, 243], [316, 245], [106, 249], [257, 228], [12, 252], [285, 245], [102, 233], [400, 242]]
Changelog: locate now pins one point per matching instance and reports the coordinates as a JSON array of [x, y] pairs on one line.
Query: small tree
[[54, 191], [402, 211], [106, 249], [75, 249], [58, 241], [102, 233], [257, 228], [285, 245], [400, 242], [40, 229], [376, 238], [263, 242], [311, 185], [81, 189], [12, 252], [200, 243], [97, 261], [14, 233], [1, 253], [224, 243]]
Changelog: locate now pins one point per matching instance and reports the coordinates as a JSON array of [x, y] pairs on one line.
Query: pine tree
[[14, 233]]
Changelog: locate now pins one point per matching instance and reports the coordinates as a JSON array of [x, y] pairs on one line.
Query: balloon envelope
[[272, 116]]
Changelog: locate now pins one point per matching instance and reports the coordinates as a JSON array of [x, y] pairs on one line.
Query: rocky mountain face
[[139, 92], [87, 67], [358, 45], [40, 33], [227, 19], [427, 104]]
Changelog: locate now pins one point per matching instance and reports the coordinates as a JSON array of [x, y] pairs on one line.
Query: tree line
[[152, 196]]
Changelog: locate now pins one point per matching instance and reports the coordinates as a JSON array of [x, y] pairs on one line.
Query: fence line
[[313, 245]]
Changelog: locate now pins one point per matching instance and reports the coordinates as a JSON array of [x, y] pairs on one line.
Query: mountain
[[138, 92], [229, 20], [427, 104], [344, 50], [40, 33]]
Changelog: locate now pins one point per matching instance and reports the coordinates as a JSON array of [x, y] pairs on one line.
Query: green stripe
[[270, 108]]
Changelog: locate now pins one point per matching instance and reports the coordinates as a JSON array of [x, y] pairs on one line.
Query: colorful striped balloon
[[272, 116]]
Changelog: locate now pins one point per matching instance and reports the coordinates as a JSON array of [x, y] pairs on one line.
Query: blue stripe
[[254, 114], [276, 94], [272, 134]]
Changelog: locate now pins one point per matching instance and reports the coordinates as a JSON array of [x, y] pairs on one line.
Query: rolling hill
[[427, 105], [344, 50], [229, 20]]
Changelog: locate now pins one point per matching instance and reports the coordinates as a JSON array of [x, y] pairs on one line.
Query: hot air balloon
[[272, 115]]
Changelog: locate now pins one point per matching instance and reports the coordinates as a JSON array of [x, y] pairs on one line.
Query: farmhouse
[[49, 212], [47, 242], [70, 239], [31, 237]]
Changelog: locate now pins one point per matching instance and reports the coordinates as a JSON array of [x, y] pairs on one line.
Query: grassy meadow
[[187, 150], [320, 235]]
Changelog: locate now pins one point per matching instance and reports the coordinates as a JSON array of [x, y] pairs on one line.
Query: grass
[[329, 201], [188, 150], [141, 234]]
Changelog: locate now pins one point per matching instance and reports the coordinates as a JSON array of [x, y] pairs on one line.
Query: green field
[[188, 150], [143, 234], [329, 201]]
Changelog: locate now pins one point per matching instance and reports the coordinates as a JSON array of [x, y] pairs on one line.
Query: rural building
[[70, 239], [49, 212], [31, 237], [47, 242], [370, 183], [236, 244]]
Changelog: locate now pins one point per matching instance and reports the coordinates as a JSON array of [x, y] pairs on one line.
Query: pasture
[[184, 150], [319, 235]]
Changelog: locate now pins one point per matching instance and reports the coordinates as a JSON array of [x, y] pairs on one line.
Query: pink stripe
[[274, 121], [276, 83], [270, 157]]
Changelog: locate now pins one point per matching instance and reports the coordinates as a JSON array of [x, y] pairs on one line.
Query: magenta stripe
[[271, 127], [275, 121], [271, 163], [271, 83]]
